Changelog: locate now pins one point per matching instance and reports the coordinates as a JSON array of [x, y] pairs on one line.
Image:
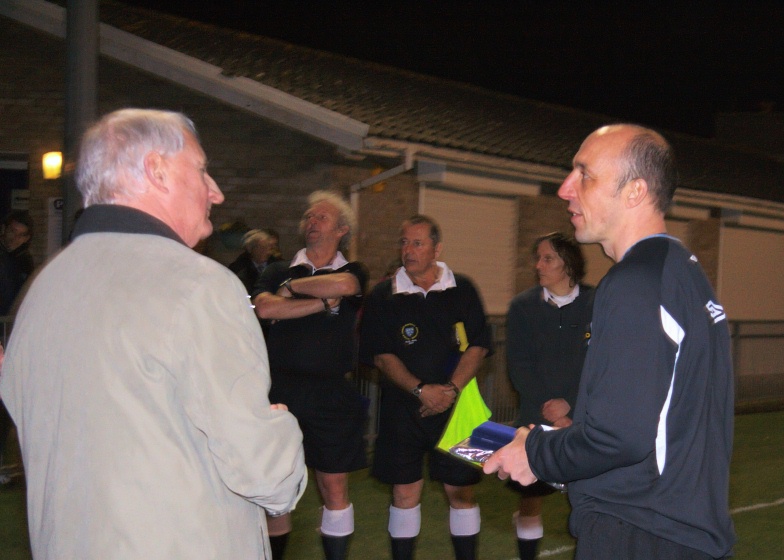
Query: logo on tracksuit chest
[[410, 333]]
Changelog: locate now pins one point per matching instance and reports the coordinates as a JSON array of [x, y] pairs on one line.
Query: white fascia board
[[746, 205], [241, 92], [761, 223], [456, 158], [440, 173], [688, 212], [14, 164]]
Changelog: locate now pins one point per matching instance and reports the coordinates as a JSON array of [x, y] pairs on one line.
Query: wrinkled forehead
[[416, 231], [322, 207]]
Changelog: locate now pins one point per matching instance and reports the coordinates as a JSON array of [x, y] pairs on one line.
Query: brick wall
[[266, 171], [537, 216], [381, 214], [31, 110]]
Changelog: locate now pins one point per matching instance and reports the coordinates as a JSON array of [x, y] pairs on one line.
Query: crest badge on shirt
[[410, 333]]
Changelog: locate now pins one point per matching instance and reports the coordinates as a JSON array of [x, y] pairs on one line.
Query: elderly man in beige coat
[[137, 374]]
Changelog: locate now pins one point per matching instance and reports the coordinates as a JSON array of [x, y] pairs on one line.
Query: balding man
[[647, 455]]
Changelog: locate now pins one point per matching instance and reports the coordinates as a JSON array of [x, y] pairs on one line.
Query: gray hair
[[254, 236], [111, 157], [346, 216], [434, 230]]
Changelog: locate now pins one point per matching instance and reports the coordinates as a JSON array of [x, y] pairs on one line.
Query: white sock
[[528, 528], [464, 522], [404, 523], [337, 522]]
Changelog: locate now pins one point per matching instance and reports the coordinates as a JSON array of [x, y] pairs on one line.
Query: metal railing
[[757, 349], [758, 359]]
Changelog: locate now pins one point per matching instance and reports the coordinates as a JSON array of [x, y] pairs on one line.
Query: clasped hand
[[555, 411], [436, 399]]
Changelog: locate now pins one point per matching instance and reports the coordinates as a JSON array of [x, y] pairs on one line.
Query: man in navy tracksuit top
[[647, 456]]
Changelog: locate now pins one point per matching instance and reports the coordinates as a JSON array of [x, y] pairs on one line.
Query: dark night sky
[[667, 65]]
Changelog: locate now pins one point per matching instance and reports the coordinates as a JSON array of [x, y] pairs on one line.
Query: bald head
[[621, 185], [644, 154]]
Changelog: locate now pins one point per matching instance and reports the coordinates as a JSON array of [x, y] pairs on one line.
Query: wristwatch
[[417, 391], [287, 284]]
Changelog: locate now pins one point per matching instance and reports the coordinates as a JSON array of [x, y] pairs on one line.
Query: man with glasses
[[413, 329]]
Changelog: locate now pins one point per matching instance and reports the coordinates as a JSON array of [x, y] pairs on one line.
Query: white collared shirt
[[560, 301], [302, 258], [402, 283]]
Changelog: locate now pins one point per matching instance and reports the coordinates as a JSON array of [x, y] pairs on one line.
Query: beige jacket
[[138, 378]]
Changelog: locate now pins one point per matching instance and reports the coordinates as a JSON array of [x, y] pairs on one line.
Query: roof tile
[[402, 105]]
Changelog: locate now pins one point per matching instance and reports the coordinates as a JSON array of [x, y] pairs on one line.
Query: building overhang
[[239, 92]]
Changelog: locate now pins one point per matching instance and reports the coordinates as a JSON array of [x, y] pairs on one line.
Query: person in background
[[136, 372], [312, 304], [254, 259], [16, 262], [16, 266], [547, 333], [647, 456], [412, 328], [275, 254]]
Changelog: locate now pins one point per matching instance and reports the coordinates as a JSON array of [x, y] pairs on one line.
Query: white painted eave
[[453, 159], [240, 92]]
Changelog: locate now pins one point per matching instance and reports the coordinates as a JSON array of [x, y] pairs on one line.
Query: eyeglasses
[[415, 243]]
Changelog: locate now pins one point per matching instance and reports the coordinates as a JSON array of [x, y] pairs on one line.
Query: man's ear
[[155, 170], [439, 246], [636, 192]]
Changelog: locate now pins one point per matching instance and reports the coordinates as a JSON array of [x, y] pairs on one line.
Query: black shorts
[[332, 416], [404, 438], [538, 488], [604, 536]]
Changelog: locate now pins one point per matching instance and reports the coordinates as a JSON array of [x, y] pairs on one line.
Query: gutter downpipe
[[407, 165]]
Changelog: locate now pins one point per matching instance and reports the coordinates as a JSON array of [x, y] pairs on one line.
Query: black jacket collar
[[114, 218]]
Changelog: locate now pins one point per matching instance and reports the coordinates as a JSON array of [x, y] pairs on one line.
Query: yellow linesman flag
[[469, 412], [470, 409]]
